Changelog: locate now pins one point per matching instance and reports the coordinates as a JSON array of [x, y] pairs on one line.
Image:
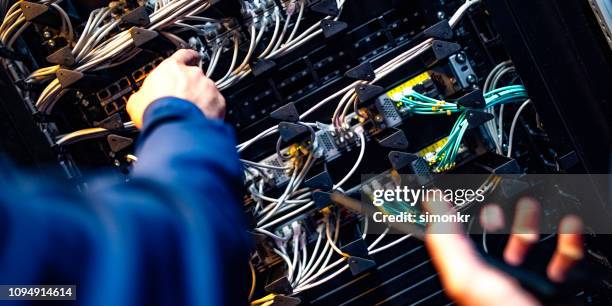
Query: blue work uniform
[[174, 234]]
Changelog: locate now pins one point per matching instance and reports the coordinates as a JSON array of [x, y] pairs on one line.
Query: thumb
[[452, 252], [135, 108]]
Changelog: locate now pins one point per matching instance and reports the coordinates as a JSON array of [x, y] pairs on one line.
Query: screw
[[51, 43], [47, 34], [85, 103], [441, 15], [460, 58], [471, 79]]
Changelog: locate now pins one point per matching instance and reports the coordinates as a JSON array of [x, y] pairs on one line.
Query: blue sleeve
[[196, 160], [174, 234]]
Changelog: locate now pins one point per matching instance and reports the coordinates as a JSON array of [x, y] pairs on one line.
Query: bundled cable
[[417, 103], [445, 157], [277, 45], [15, 23], [95, 51]]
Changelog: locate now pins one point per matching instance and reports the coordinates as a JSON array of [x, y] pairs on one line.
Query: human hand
[[178, 76], [466, 277]]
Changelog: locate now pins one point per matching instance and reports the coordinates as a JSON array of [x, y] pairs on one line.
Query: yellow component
[[326, 211], [409, 84], [303, 150], [291, 150], [296, 149], [267, 298], [363, 114], [433, 148], [448, 112], [434, 108]]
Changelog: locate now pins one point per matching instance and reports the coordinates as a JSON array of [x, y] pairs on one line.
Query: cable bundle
[[94, 52], [444, 158], [417, 103]]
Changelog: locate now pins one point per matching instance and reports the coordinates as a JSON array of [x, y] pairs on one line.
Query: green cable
[[420, 104]]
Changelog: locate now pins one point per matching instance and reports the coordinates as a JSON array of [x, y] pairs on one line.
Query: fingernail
[[492, 218], [527, 218], [570, 240]]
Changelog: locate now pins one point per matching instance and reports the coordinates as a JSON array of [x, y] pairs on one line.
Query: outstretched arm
[[188, 150], [173, 235]]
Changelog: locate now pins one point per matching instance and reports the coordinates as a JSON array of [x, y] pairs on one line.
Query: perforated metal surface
[[387, 108]]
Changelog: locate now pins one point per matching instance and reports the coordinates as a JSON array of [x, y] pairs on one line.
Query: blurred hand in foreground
[[469, 280]]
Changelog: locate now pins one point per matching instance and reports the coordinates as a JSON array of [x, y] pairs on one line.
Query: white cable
[[287, 261], [461, 11], [314, 266], [326, 279], [260, 165], [88, 133], [268, 132], [324, 269], [295, 242], [272, 41], [275, 206], [513, 126], [272, 200], [67, 21], [287, 216], [357, 163], [16, 35], [378, 239], [279, 41], [215, 58], [303, 259], [297, 22], [234, 59], [390, 245], [365, 228], [328, 235], [500, 128], [314, 252], [270, 234]]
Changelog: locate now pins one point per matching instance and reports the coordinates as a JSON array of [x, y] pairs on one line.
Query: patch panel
[[383, 87]]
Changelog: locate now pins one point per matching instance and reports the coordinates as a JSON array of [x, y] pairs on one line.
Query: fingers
[[466, 278], [492, 218], [186, 56], [525, 231], [569, 248], [212, 102]]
